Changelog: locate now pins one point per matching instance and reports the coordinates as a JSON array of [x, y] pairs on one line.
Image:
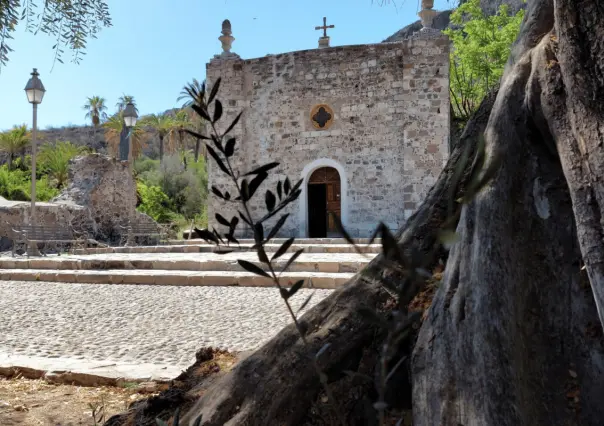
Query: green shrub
[[145, 164], [18, 194], [154, 203], [13, 183], [186, 190], [481, 47], [44, 190], [54, 160]]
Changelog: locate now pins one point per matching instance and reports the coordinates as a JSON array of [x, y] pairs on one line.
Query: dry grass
[[26, 402]]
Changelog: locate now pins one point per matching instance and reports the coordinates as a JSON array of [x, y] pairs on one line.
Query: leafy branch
[[247, 184]]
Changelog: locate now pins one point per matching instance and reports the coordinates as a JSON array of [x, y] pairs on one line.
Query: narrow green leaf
[[258, 233], [279, 190], [214, 90], [229, 149], [305, 302], [283, 249], [256, 182], [215, 232], [176, 420], [262, 257], [217, 160], [222, 220], [270, 200], [297, 185], [286, 186], [250, 267], [217, 110], [245, 191], [217, 192], [277, 227], [196, 135], [242, 216], [218, 143], [206, 235], [297, 285], [233, 124], [263, 169], [201, 112], [225, 251]]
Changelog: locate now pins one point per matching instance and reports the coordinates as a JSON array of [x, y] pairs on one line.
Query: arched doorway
[[324, 201]]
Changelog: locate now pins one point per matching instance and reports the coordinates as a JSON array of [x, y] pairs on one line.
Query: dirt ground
[[26, 402]]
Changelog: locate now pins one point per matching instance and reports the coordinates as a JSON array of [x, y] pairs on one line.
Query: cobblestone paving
[[126, 323]]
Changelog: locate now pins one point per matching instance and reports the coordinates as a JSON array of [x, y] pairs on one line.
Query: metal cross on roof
[[325, 27]]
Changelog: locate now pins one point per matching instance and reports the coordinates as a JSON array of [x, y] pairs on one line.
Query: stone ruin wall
[[100, 197], [390, 133]]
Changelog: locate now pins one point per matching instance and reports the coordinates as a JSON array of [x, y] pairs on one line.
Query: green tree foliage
[[185, 190], [95, 110], [70, 23], [14, 142], [54, 160], [192, 94], [164, 125], [15, 185], [125, 100], [155, 202], [481, 47]]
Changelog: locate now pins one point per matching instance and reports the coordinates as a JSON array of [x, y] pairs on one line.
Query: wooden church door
[[324, 197]]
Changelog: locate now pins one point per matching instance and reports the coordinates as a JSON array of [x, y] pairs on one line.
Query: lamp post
[[130, 117], [35, 92]]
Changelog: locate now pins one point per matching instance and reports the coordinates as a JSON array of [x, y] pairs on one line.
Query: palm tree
[[164, 126], [14, 141], [125, 100], [114, 126], [181, 122], [95, 109], [193, 94], [54, 160]]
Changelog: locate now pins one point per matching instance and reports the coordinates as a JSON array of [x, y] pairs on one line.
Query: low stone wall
[[14, 214]]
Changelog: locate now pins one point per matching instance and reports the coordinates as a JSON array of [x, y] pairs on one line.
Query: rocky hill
[[441, 21]]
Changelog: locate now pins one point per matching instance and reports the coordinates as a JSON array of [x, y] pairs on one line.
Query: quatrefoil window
[[321, 117]]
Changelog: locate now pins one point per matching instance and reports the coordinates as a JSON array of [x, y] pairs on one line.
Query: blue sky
[[155, 46]]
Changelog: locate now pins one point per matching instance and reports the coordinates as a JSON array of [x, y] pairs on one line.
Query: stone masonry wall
[[389, 138]]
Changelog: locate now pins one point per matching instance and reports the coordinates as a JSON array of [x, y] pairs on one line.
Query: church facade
[[366, 128]]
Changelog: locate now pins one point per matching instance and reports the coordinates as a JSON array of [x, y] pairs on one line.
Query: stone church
[[366, 127]]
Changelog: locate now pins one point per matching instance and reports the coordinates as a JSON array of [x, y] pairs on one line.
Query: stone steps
[[326, 263], [322, 280], [207, 248], [330, 263], [314, 241]]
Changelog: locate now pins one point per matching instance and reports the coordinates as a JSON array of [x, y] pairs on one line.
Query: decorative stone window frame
[[315, 109], [303, 200]]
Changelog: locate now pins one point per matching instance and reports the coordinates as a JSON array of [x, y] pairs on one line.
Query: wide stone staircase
[[326, 263]]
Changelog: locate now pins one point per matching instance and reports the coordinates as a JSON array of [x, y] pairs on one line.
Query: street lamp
[[35, 92], [130, 117]]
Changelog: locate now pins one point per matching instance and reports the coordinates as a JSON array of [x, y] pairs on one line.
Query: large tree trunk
[[513, 337], [277, 385]]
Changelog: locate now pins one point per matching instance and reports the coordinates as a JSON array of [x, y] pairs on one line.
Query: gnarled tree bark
[[513, 337]]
